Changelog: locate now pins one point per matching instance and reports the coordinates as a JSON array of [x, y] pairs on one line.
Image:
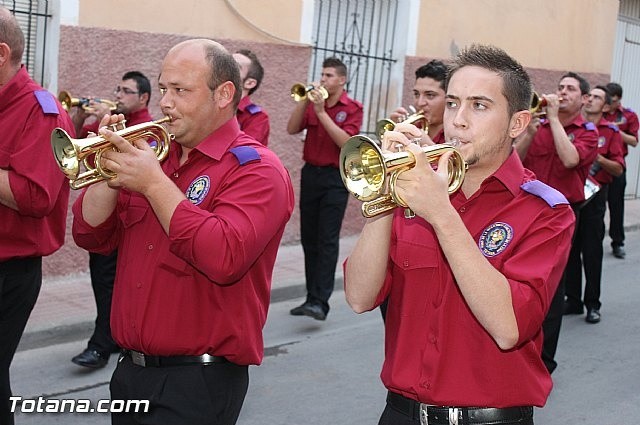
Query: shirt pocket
[[416, 277], [135, 211]]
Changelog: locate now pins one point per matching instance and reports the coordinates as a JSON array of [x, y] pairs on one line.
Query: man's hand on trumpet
[[425, 190], [136, 165], [394, 140]]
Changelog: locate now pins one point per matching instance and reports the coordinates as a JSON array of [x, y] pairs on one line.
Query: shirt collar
[[244, 102], [14, 86], [510, 173], [220, 140]]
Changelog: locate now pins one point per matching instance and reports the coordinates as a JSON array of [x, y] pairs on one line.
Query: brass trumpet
[[370, 175], [69, 102], [386, 124], [537, 103], [71, 153], [299, 91]]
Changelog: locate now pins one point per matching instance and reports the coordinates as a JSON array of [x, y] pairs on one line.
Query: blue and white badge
[[572, 137], [341, 116], [495, 239], [601, 141], [198, 189]]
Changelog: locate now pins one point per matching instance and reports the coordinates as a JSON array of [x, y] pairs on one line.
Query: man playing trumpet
[[132, 97], [323, 197], [428, 97], [197, 237], [470, 278]]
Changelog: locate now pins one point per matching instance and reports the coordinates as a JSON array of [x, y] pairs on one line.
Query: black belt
[[465, 415], [145, 360]]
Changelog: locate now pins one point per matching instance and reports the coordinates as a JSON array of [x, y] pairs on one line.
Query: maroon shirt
[[319, 148], [253, 120], [610, 146], [205, 287], [28, 116], [436, 351], [626, 120], [542, 157], [138, 117]]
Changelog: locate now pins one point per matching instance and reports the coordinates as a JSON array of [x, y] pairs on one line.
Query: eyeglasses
[[124, 90]]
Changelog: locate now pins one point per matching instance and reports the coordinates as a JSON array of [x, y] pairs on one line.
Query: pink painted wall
[[92, 61]]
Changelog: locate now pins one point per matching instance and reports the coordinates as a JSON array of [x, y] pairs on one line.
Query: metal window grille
[[361, 34], [33, 17]]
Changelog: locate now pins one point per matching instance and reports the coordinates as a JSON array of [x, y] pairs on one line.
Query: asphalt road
[[320, 373]]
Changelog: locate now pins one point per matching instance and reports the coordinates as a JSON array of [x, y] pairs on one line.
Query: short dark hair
[[142, 82], [11, 34], [615, 89], [435, 69], [585, 88], [256, 71], [337, 64], [515, 80], [223, 68], [607, 94]]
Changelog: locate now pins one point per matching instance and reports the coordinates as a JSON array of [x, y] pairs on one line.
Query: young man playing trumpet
[[323, 197], [132, 97], [429, 97]]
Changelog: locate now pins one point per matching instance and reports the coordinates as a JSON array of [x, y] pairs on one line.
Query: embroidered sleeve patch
[[245, 154], [550, 195], [47, 102], [495, 239], [253, 108]]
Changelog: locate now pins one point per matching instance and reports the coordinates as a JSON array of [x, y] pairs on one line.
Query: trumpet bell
[[300, 91], [72, 155], [418, 119], [370, 174], [68, 102]]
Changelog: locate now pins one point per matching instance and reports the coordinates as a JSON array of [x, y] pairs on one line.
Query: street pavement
[[327, 372]]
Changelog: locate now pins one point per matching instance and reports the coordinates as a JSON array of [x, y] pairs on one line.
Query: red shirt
[[319, 148], [205, 287], [137, 117], [28, 116], [253, 120], [435, 349], [439, 138], [626, 120], [610, 146], [542, 157]]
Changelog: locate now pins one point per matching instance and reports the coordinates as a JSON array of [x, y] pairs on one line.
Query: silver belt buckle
[[424, 415], [138, 358]]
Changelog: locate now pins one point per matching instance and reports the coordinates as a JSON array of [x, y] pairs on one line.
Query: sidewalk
[[65, 310]]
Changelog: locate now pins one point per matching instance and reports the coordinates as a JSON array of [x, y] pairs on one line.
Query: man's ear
[[5, 54], [225, 91], [519, 122], [249, 83]]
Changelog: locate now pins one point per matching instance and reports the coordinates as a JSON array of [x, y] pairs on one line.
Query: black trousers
[[615, 200], [553, 320], [178, 395], [587, 252], [103, 273], [323, 201], [20, 282]]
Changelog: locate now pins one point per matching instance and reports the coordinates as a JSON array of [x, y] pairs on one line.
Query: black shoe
[[91, 358], [571, 308], [593, 315], [311, 310], [300, 310], [618, 252]]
